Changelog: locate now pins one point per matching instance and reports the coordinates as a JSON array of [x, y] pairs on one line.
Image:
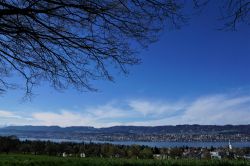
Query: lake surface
[[152, 144]]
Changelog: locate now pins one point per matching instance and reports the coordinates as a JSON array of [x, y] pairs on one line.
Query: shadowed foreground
[[32, 160]]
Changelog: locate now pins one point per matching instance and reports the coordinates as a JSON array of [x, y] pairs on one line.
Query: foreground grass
[[32, 160]]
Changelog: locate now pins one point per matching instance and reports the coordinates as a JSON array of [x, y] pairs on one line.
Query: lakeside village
[[166, 137], [12, 144], [135, 137]]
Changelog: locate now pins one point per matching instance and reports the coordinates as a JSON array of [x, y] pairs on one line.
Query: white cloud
[[12, 118], [6, 113], [155, 108], [214, 109], [63, 118], [109, 111], [217, 109]]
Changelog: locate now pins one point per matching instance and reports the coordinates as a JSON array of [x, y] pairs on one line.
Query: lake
[[152, 144]]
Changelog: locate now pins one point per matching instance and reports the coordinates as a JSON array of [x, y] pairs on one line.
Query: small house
[[215, 155], [64, 154], [82, 155]]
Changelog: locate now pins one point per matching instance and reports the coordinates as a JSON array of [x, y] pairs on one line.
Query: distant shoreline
[[162, 144]]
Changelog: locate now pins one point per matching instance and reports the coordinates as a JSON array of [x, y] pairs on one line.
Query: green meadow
[[39, 160]]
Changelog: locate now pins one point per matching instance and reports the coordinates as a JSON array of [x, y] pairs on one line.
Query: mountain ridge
[[195, 128]]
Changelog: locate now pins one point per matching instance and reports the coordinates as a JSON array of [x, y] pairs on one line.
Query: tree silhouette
[[70, 43], [232, 12], [235, 12]]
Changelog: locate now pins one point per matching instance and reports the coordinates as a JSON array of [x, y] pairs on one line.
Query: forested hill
[[178, 129]]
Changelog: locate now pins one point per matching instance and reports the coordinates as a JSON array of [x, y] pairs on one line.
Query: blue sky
[[193, 75]]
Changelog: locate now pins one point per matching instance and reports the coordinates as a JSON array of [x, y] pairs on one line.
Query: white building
[[230, 146], [64, 154], [246, 156], [82, 155], [215, 155]]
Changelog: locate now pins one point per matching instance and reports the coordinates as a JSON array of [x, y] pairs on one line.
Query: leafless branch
[[70, 43]]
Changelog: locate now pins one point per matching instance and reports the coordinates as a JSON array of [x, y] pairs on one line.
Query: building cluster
[[187, 152], [206, 153], [146, 137], [176, 137]]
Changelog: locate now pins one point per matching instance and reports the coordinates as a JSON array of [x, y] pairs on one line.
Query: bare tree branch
[[70, 43], [233, 12]]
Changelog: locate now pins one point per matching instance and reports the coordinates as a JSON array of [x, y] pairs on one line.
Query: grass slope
[[32, 160]]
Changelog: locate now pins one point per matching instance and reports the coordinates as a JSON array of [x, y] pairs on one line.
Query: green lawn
[[32, 160]]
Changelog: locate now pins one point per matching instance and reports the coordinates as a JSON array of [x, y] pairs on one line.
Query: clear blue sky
[[193, 75]]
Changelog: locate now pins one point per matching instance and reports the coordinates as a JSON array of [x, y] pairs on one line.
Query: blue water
[[153, 144]]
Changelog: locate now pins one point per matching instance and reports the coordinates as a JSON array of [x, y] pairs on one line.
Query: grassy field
[[32, 160]]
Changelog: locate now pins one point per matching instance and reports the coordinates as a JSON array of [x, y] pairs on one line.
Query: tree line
[[11, 144]]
